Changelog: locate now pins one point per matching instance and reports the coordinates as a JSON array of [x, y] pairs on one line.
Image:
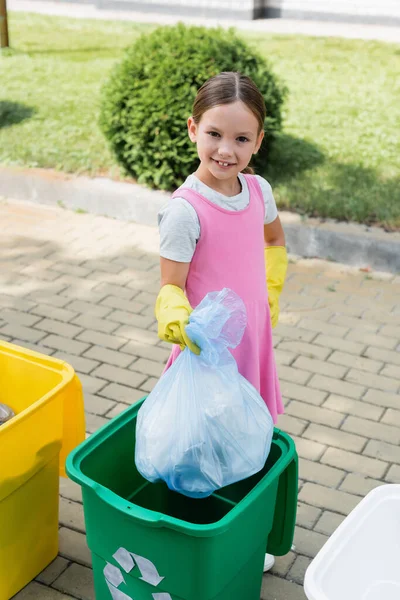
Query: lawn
[[339, 153]]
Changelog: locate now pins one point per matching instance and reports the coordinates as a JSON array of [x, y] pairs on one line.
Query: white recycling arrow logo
[[128, 560]]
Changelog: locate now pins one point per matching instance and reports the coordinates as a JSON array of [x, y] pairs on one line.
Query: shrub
[[149, 96]]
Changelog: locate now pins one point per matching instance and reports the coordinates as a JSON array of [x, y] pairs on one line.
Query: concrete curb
[[355, 245]]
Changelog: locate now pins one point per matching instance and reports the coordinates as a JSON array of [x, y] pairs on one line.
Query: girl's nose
[[224, 151]]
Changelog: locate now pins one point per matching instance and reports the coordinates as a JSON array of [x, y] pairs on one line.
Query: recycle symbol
[[128, 560]]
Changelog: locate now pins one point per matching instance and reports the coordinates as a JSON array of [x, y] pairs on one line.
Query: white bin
[[361, 560]]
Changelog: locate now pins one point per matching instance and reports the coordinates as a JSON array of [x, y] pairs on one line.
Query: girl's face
[[226, 137]]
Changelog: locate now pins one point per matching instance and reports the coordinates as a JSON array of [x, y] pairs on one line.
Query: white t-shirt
[[180, 226]]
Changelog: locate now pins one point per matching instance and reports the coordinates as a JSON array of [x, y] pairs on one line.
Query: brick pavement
[[82, 288]]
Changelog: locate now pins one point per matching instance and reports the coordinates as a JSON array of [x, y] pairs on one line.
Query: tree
[[4, 39]]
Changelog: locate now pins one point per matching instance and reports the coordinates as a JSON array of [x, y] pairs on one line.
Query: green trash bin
[[149, 543]]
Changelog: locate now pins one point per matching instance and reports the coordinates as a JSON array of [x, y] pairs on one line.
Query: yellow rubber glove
[[172, 313], [276, 262]]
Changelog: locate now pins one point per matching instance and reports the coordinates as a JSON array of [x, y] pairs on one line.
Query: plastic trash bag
[[204, 426]]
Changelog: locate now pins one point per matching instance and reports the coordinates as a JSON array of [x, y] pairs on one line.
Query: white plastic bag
[[204, 426]]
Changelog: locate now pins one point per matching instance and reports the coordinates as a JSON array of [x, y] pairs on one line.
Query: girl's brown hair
[[228, 87]]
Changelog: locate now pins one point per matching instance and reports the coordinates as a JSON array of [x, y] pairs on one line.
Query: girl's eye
[[213, 133], [243, 139]]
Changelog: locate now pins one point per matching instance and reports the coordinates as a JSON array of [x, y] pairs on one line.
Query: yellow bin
[[46, 397]]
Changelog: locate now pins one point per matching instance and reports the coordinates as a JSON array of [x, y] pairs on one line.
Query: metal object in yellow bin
[[46, 398], [6, 413]]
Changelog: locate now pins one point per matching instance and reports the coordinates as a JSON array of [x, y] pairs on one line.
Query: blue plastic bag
[[204, 426]]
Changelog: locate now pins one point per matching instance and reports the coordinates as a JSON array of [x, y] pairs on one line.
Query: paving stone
[[283, 357], [283, 564], [149, 367], [109, 289], [383, 451], [37, 591], [73, 546], [357, 362], [112, 357], [313, 471], [298, 569], [390, 331], [359, 484], [156, 353], [139, 335], [79, 363], [391, 371], [326, 498], [334, 437], [122, 393], [370, 339], [71, 514], [82, 307], [293, 375], [89, 321], [276, 588], [372, 380], [131, 319], [370, 429], [91, 384], [381, 398], [101, 339], [321, 367], [393, 475], [19, 318], [296, 333], [307, 515], [354, 323], [71, 490], [117, 375], [117, 410], [122, 304], [336, 343], [380, 354], [328, 522], [308, 542], [308, 449], [94, 422], [98, 405], [148, 385], [146, 298], [64, 344], [25, 334], [31, 346], [304, 349], [315, 414], [78, 581], [354, 462], [322, 327], [53, 571], [302, 393], [69, 269], [353, 407], [342, 388]]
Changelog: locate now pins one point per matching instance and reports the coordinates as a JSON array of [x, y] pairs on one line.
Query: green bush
[[149, 96]]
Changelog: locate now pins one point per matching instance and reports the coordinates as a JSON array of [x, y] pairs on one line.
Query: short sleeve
[[179, 230], [271, 212]]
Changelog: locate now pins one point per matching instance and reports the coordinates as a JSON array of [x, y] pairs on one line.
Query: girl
[[222, 230]]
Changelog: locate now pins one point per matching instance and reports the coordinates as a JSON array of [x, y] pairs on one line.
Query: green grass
[[339, 154]]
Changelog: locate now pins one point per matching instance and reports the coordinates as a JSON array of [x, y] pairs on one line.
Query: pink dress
[[230, 253]]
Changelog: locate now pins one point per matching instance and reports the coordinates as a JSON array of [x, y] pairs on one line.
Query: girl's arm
[[173, 273], [274, 234]]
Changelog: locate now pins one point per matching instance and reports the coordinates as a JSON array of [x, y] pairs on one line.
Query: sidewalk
[[271, 26], [82, 288]]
